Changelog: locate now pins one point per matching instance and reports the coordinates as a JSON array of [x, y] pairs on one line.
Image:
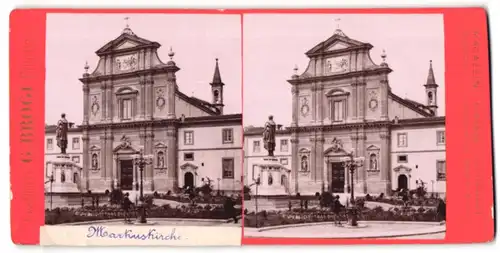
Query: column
[[85, 161], [115, 171], [109, 159], [385, 171], [142, 58], [353, 110], [102, 160], [320, 141], [172, 156], [362, 100], [295, 162], [149, 147], [148, 98], [295, 103], [312, 157], [142, 95], [314, 103], [171, 83], [384, 86], [103, 101], [109, 101], [86, 90], [320, 99]]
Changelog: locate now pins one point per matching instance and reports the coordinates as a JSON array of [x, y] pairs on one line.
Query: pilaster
[[384, 107], [360, 100], [171, 84], [149, 97], [295, 103], [86, 99], [109, 159], [149, 139], [353, 110], [142, 102], [319, 166], [103, 101], [314, 103], [320, 98], [109, 101], [312, 157], [294, 141], [385, 170], [85, 161], [172, 179], [102, 159]]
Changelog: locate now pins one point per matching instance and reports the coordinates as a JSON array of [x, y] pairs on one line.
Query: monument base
[[65, 175], [274, 177]]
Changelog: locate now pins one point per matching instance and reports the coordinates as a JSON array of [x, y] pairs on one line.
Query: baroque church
[[343, 103], [133, 103]]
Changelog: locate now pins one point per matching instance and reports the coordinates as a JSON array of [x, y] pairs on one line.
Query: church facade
[[132, 104], [343, 103]]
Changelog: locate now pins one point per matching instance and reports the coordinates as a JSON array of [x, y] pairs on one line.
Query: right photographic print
[[344, 126]]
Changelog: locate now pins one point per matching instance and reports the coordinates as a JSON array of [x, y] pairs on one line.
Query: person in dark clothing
[[126, 207], [229, 209], [405, 198], [306, 204], [336, 208], [441, 210]]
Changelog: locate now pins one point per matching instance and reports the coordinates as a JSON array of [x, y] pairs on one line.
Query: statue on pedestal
[[269, 136], [62, 133]]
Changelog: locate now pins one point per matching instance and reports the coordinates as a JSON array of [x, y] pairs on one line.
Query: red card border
[[468, 121]]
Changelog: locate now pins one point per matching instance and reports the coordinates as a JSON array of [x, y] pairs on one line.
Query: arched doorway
[[402, 182], [188, 179]]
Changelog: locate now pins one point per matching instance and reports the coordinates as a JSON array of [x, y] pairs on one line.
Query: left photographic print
[[143, 125]]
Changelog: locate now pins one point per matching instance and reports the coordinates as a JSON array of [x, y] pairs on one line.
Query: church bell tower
[[431, 90], [217, 89]]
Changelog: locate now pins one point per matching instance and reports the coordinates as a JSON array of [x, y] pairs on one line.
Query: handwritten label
[[152, 234]]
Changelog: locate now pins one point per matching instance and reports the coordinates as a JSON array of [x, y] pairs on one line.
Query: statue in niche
[[270, 179], [269, 136], [161, 160], [94, 162], [63, 176], [373, 162], [62, 133], [304, 166]]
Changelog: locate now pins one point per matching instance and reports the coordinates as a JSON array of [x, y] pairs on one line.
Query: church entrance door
[[188, 180], [126, 175], [338, 177], [402, 182]]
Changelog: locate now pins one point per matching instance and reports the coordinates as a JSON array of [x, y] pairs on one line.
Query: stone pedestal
[[271, 172], [62, 169]]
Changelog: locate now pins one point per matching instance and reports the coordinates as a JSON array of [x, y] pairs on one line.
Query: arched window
[[216, 96], [429, 96]]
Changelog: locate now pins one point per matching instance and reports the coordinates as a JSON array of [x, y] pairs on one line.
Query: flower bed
[[201, 200], [295, 216], [399, 202], [69, 215]]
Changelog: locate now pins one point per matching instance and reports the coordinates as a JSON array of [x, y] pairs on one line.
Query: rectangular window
[[256, 146], [188, 156], [284, 145], [284, 161], [338, 110], [188, 137], [227, 135], [441, 137], [50, 145], [75, 159], [402, 140], [255, 169], [441, 170], [227, 168], [76, 143], [126, 109], [402, 158]]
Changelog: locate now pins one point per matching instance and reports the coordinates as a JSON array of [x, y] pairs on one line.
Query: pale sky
[[196, 40], [275, 43]]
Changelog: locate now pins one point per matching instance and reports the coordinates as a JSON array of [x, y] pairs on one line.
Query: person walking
[[126, 207], [336, 208]]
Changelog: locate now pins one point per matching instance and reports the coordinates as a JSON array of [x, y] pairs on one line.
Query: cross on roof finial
[[337, 20], [126, 22]]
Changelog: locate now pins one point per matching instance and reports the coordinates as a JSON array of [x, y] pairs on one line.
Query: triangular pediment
[[402, 168], [189, 166], [126, 44], [373, 148], [160, 145], [335, 42], [125, 41]]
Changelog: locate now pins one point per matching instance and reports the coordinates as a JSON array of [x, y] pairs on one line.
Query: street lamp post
[[257, 183], [351, 163], [432, 193], [51, 180], [218, 186], [140, 161]]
